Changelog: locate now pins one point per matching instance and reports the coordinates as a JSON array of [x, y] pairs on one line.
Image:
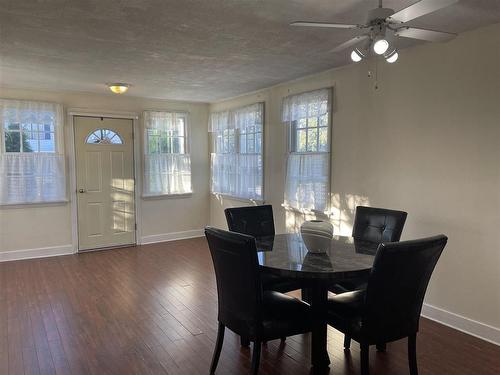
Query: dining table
[[287, 256]]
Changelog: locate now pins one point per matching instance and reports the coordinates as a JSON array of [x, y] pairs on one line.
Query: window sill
[[239, 199], [34, 204], [167, 196]]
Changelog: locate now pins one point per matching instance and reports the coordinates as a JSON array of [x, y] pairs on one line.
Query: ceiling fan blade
[[419, 9], [326, 24], [350, 43], [424, 34]]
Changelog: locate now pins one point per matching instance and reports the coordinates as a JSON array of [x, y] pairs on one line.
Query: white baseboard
[[42, 252], [461, 323], [164, 237]]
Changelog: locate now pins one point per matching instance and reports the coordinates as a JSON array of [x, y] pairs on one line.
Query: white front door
[[105, 182]]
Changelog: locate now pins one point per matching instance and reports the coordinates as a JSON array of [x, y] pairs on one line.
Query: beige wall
[[34, 227], [428, 142]]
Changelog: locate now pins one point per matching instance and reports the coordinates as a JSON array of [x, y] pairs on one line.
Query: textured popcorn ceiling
[[196, 50]]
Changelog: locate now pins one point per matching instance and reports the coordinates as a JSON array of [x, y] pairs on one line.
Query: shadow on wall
[[341, 214]]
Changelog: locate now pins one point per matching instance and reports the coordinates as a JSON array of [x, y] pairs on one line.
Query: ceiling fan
[[384, 26]]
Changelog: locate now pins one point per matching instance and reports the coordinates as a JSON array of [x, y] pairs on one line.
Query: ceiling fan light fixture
[[356, 55], [380, 46], [118, 87], [392, 57]]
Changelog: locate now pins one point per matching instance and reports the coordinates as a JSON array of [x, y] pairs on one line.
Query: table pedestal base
[[319, 352]]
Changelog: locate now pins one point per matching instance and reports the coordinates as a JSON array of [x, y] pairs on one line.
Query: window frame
[[21, 131], [237, 151], [290, 139], [57, 124], [186, 136], [187, 151]]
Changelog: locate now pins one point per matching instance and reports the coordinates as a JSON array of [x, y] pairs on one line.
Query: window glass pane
[[92, 138], [182, 145], [302, 123], [103, 136], [323, 120], [12, 141], [229, 142], [243, 143], [312, 141], [31, 138], [323, 139], [219, 143], [258, 143], [179, 130], [312, 122], [165, 145], [178, 145], [251, 143], [301, 141], [47, 142], [10, 126]]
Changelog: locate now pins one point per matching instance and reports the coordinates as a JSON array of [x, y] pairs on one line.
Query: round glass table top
[[287, 255]]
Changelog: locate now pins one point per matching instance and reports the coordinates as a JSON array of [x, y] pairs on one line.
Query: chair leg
[[256, 357], [218, 348], [283, 339], [412, 354], [347, 342], [365, 359], [381, 347], [244, 341]]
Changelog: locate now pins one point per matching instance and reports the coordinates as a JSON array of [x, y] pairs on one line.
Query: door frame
[[70, 142]]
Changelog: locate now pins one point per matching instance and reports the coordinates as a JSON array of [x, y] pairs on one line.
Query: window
[[167, 161], [307, 116], [104, 136], [29, 137], [32, 168], [236, 160]]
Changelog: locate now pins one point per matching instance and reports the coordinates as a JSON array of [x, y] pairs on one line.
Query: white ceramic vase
[[317, 235]]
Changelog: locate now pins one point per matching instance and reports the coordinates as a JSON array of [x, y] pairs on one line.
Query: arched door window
[[104, 136]]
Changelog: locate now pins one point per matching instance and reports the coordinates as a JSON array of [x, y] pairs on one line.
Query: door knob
[[81, 191]]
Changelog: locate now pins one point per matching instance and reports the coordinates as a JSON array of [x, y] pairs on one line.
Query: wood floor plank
[[153, 310]]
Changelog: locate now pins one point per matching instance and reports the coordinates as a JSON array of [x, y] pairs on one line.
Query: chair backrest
[[255, 221], [378, 224], [239, 287], [396, 286]]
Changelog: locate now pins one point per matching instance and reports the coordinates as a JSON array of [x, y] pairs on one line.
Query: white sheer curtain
[[35, 175], [166, 170], [309, 104], [237, 171], [167, 174], [307, 183]]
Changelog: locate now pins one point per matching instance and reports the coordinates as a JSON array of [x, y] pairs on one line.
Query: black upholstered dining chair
[[377, 225], [244, 307], [389, 308], [258, 221]]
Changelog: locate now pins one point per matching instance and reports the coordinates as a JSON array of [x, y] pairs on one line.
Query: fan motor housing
[[379, 14]]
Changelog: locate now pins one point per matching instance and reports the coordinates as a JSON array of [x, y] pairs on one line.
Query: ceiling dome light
[[380, 46], [392, 57], [356, 55], [118, 88]]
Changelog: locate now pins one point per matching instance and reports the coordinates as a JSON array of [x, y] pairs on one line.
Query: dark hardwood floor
[[153, 310]]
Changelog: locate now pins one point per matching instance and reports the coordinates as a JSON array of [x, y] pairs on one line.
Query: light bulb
[[380, 46], [392, 57], [356, 56], [118, 88]]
